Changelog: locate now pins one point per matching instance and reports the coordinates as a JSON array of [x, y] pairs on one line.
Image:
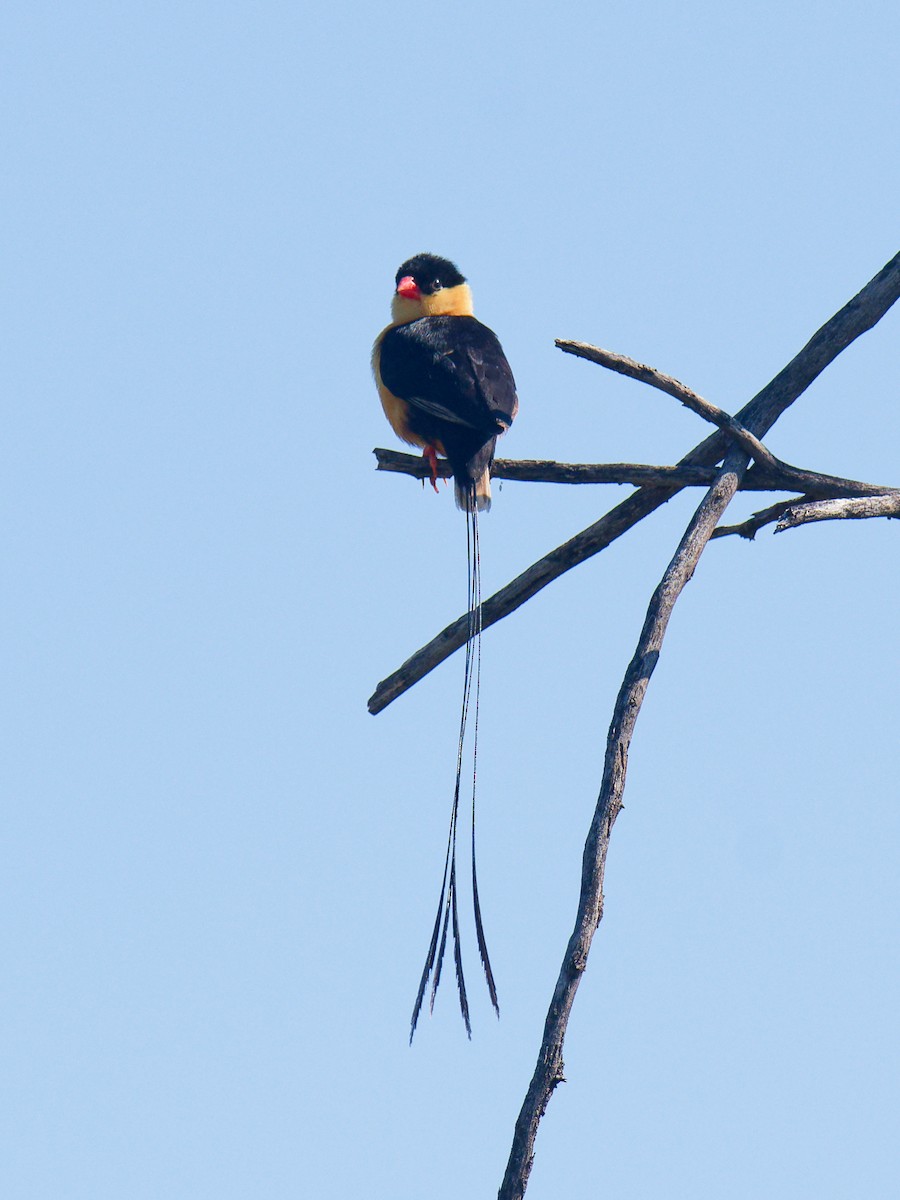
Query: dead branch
[[838, 510], [788, 514], [750, 528], [779, 477], [673, 387], [786, 478], [548, 471], [549, 1070], [860, 314], [758, 415], [596, 537]]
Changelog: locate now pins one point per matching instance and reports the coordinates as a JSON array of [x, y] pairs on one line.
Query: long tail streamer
[[447, 917]]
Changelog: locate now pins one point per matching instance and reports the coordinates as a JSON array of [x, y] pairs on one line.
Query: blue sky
[[219, 870]]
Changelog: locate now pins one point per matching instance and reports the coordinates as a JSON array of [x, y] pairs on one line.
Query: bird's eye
[[437, 285]]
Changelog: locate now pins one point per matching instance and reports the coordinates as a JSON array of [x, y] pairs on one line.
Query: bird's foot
[[431, 454]]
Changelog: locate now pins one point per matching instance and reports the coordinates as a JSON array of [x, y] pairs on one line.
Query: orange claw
[[431, 454]]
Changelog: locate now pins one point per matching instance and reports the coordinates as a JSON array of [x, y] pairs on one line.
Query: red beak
[[408, 288]]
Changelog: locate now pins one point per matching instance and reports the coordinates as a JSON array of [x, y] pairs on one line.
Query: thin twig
[[790, 513], [673, 387], [750, 528], [855, 509], [782, 475]]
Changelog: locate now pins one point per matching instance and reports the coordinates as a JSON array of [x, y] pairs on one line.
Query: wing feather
[[450, 370]]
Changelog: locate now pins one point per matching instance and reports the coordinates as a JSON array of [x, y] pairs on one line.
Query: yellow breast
[[395, 409]]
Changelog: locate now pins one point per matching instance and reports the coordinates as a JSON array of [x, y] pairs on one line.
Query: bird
[[446, 386], [442, 376]]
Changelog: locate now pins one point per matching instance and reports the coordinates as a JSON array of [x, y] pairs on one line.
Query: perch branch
[[781, 477], [759, 414], [548, 471]]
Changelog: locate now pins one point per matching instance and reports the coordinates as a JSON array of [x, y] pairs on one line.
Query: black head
[[431, 273]]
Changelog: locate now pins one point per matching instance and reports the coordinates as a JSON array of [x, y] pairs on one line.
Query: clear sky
[[219, 871]]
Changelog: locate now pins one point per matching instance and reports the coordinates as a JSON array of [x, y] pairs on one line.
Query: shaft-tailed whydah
[[445, 386], [443, 378]]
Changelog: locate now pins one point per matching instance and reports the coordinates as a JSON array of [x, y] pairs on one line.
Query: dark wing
[[491, 372], [452, 372]]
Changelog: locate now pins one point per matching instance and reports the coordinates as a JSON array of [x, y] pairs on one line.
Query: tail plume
[[447, 911]]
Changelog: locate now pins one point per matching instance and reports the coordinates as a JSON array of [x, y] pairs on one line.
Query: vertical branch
[[549, 1070]]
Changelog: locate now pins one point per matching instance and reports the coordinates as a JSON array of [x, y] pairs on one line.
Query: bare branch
[[548, 471], [522, 588], [857, 316], [416, 465], [674, 387], [785, 478], [549, 1070], [781, 477], [790, 513], [838, 510], [750, 528]]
